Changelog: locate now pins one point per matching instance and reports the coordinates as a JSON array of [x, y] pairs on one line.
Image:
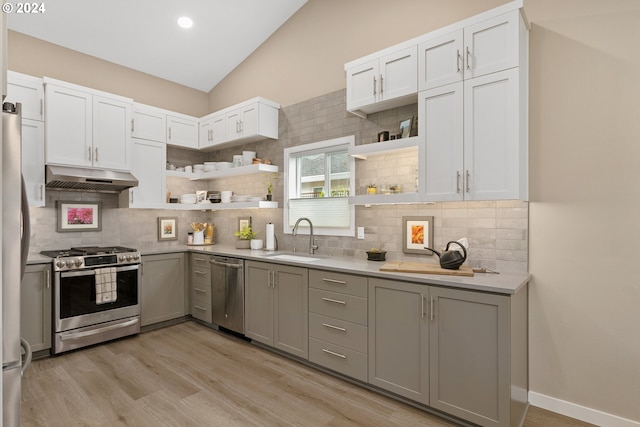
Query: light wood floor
[[189, 375]]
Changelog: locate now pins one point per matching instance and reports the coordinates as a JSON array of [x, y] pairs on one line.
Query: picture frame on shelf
[[79, 216], [417, 233], [167, 228], [244, 221], [405, 127]]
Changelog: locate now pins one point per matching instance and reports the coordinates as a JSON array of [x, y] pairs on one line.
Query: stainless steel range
[[96, 295]]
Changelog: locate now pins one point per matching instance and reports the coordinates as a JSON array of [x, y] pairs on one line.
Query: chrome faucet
[[312, 245]]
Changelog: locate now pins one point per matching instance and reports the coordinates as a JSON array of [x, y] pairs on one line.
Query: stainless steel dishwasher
[[227, 293]]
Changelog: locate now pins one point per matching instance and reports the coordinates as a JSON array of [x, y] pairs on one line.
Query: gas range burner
[[92, 257], [97, 250]]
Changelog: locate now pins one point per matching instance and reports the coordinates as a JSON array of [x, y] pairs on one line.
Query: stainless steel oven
[[96, 295]]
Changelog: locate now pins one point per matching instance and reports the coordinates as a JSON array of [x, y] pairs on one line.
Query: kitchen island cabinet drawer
[[201, 276], [340, 306], [201, 262], [339, 359], [201, 304], [338, 282], [345, 334]]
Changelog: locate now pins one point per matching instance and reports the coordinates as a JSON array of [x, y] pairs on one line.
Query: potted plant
[[371, 189], [271, 179], [244, 237]]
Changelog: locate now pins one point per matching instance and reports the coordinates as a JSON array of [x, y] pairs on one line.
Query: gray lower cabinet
[[461, 352], [338, 322], [276, 306], [200, 302], [399, 338], [163, 288], [35, 306]]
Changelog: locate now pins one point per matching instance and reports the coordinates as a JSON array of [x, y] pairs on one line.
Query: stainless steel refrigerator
[[15, 247]]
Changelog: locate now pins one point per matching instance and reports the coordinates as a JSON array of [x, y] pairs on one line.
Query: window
[[318, 185]]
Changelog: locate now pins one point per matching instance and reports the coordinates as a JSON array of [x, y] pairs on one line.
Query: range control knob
[[122, 258], [77, 262], [136, 257], [69, 263], [60, 264]]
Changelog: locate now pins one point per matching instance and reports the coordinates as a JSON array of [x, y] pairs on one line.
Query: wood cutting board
[[424, 268]]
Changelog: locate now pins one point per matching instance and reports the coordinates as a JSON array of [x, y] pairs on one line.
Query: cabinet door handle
[[200, 290], [96, 150], [133, 126], [467, 185], [202, 273], [337, 328], [89, 157], [47, 278], [334, 301], [458, 59], [458, 182], [131, 196], [337, 282], [41, 106], [381, 84], [169, 132], [422, 305], [41, 191], [342, 356], [200, 308], [468, 59], [241, 126], [431, 315], [374, 86]]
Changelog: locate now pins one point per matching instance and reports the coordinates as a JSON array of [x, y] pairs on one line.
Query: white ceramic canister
[[198, 237], [247, 157], [225, 196], [237, 160], [256, 244]]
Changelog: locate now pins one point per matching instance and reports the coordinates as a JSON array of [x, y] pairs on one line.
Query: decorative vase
[[243, 244], [269, 196], [371, 190]]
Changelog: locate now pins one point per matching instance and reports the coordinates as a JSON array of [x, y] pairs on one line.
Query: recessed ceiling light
[[185, 22]]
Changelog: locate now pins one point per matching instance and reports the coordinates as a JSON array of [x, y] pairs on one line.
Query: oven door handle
[[92, 271], [79, 335]]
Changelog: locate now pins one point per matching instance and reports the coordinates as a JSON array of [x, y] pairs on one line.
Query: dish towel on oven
[[106, 285]]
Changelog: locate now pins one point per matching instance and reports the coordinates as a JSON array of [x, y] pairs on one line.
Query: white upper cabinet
[[247, 121], [149, 123], [478, 49], [182, 131], [33, 161], [382, 82], [87, 128], [111, 133], [148, 160], [27, 90]]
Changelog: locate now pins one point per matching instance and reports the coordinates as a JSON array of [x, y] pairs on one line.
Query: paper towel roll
[[270, 237]]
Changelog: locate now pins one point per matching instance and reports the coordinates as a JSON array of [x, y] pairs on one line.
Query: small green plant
[[271, 179], [246, 233]]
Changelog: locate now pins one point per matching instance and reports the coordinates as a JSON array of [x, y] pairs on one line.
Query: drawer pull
[[335, 301], [337, 282], [326, 325], [200, 290], [200, 308], [342, 356], [199, 259], [202, 273]]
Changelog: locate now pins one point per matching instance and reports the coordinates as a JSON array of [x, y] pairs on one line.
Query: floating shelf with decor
[[219, 206], [385, 147], [224, 173], [384, 199]]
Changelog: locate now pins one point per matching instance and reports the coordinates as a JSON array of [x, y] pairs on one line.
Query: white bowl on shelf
[[224, 165], [188, 199]]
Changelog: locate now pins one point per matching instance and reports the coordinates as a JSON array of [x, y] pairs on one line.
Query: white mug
[[225, 196], [256, 244]]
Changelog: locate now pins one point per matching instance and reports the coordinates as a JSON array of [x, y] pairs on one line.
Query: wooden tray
[[424, 268]]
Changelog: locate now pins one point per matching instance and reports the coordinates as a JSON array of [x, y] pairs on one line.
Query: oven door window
[[78, 293]]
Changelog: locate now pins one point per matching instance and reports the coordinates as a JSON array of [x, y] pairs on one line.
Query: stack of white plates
[[224, 165], [189, 199], [209, 166], [198, 168]]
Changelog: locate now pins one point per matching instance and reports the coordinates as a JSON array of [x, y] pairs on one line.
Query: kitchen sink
[[295, 258]]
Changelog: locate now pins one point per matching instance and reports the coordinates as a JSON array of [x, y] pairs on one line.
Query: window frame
[[290, 179]]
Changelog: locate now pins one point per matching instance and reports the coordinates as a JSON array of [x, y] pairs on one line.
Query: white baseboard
[[579, 412]]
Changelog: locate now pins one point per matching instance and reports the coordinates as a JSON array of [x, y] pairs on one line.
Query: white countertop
[[503, 283]]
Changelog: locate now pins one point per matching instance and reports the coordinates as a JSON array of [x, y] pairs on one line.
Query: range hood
[[86, 179]]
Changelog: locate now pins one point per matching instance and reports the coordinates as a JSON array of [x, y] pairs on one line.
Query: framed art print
[[167, 228], [417, 233], [79, 216]]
